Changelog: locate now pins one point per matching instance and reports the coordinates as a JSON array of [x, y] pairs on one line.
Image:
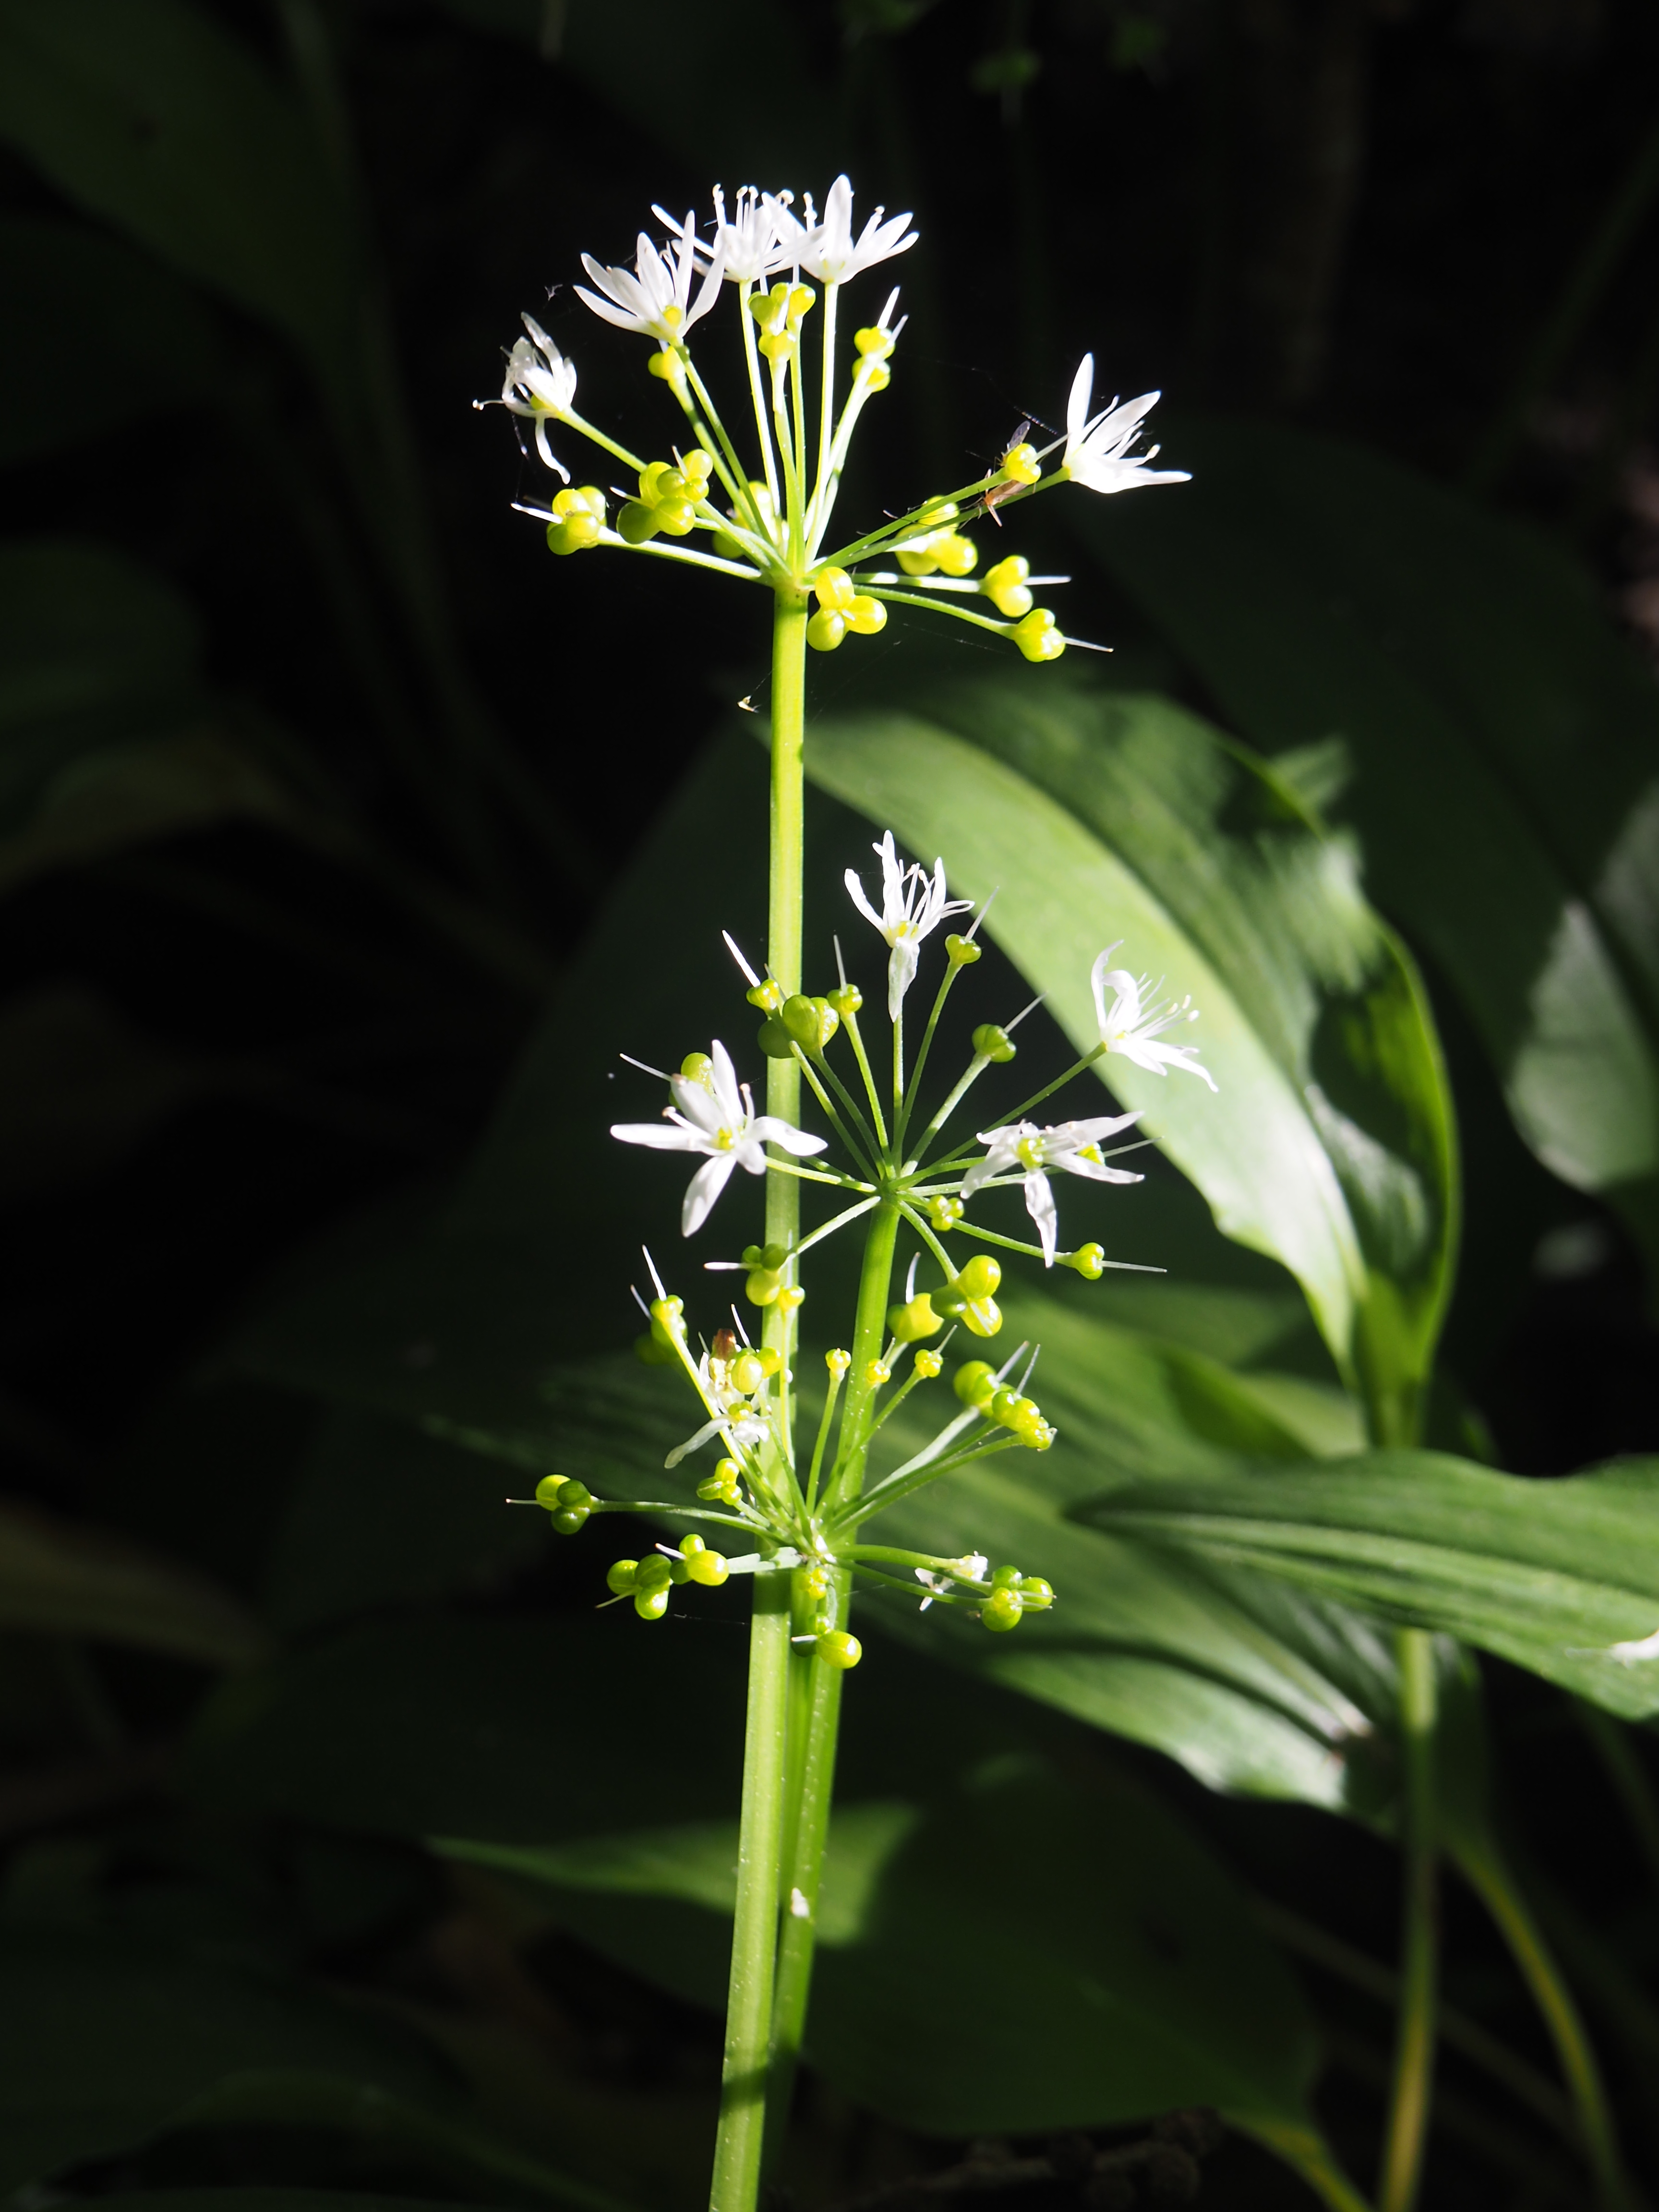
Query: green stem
[[1491, 1880], [1304, 2153], [1413, 2065], [741, 2137], [804, 1871]]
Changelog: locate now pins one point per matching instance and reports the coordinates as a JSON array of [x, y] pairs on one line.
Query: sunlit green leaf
[[1141, 1982], [1562, 1578], [1455, 684], [1110, 818]]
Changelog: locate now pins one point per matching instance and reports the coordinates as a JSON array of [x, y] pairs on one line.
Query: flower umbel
[[1128, 1027], [913, 903], [715, 1113], [1068, 1148]]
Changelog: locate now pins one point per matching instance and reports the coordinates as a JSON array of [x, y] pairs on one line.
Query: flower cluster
[[808, 1526], [768, 521]]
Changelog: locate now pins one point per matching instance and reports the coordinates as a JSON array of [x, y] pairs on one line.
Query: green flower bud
[[548, 1489], [1034, 1593], [1089, 1262], [652, 1604], [962, 952], [709, 1568], [575, 1497], [695, 1067], [1000, 1612], [679, 1571], [650, 1353], [766, 994], [846, 1000], [910, 1323], [1000, 1408], [653, 1573], [944, 1213], [775, 1041], [636, 523], [568, 1519], [839, 1649], [1006, 1577], [981, 1317], [980, 1278], [991, 1042], [973, 1383], [666, 1325], [761, 1286], [622, 1579], [747, 1372]]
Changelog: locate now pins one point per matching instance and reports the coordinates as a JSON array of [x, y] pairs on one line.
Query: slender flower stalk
[[764, 520]]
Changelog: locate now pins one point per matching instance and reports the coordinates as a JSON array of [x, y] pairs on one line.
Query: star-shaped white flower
[[828, 250], [912, 904], [972, 1568], [746, 244], [1128, 1027], [1097, 447], [539, 382], [716, 1116], [655, 298], [1068, 1148]]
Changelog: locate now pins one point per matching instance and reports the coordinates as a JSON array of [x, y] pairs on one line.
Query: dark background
[[1431, 227]]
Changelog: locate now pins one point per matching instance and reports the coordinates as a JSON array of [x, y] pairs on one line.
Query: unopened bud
[[747, 1373], [962, 952], [928, 1364], [944, 1213], [974, 1383], [980, 1277], [847, 999], [790, 1297], [652, 1604], [767, 996], [875, 1372], [1006, 586], [993, 1043], [620, 1579], [825, 631], [1039, 636], [1001, 1611], [865, 614], [837, 1362], [1021, 465], [915, 1320], [548, 1489], [833, 589], [650, 1352], [839, 1649]]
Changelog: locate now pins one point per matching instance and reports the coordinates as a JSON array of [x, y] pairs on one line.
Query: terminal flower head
[[1069, 1148], [1098, 447], [828, 250], [745, 245], [1128, 1027], [655, 297], [912, 904], [714, 1115], [539, 382]]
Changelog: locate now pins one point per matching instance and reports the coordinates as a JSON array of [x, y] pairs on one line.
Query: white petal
[[705, 1186], [855, 892], [659, 1136], [1040, 1205], [726, 1084], [1077, 406], [901, 973], [772, 1131], [1095, 1170]]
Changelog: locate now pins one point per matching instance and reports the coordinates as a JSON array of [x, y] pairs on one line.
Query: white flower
[[1069, 1148], [912, 904], [972, 1569], [745, 245], [716, 1116], [539, 382], [1129, 1028], [656, 299], [738, 1417], [828, 250], [1098, 449]]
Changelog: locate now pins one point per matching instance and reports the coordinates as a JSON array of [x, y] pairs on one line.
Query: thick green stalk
[[1492, 1882], [1413, 2067], [741, 2137], [810, 1829]]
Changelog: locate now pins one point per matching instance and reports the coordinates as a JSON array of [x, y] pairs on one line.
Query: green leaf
[[62, 1579], [1555, 1576], [101, 2043], [147, 113], [381, 2128], [1496, 744], [1141, 1986], [158, 347], [1115, 818], [557, 1751]]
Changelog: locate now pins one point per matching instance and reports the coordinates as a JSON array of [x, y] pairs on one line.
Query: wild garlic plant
[[798, 1510]]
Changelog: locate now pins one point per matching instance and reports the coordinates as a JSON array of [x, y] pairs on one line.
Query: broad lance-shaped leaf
[[1453, 682], [1126, 820], [1561, 1577]]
